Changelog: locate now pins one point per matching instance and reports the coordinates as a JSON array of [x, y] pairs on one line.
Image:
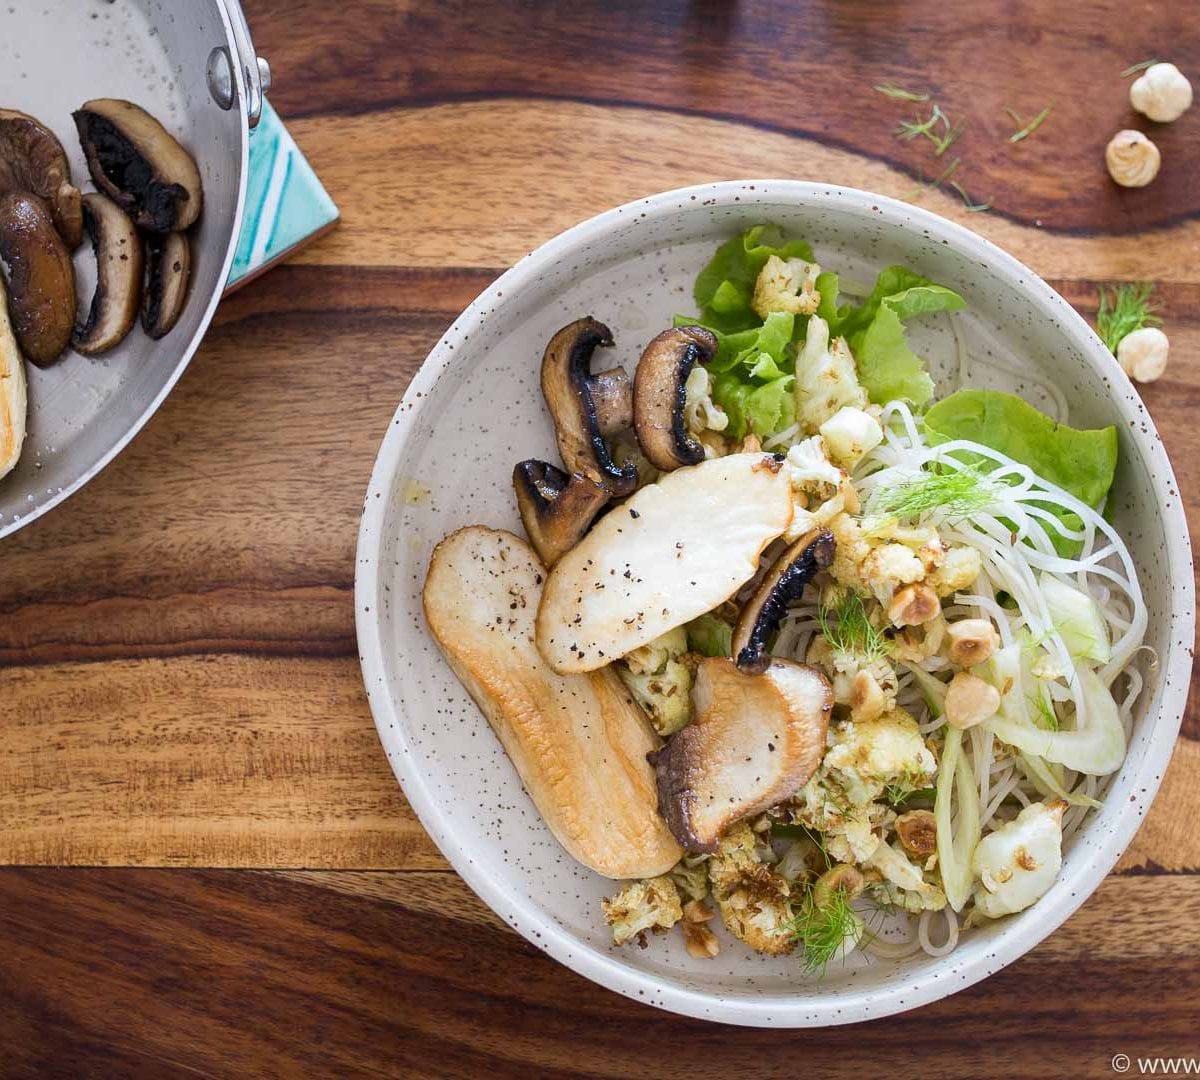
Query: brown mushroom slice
[[168, 270], [41, 278], [13, 393], [783, 585], [754, 742], [139, 164], [556, 509], [118, 249], [659, 395], [587, 408], [32, 159]]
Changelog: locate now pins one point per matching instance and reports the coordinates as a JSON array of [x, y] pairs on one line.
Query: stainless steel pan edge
[[69, 447]]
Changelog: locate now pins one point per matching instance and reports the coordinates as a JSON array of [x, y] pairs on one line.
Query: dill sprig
[[1133, 69], [1045, 711], [822, 930], [1029, 128], [1126, 309], [958, 492], [936, 127], [971, 207], [906, 788], [893, 91], [934, 184], [851, 630]]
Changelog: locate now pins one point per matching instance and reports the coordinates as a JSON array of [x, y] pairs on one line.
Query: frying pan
[[192, 65]]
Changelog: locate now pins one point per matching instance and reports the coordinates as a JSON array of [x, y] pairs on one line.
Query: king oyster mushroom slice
[[118, 249], [168, 270], [556, 509], [588, 409], [41, 278], [13, 401], [139, 164], [32, 159], [659, 395], [673, 551], [754, 741], [780, 588]]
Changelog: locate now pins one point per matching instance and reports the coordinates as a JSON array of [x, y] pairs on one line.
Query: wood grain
[[154, 973]]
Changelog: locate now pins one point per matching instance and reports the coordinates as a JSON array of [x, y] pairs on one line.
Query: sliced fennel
[[956, 838], [1077, 619], [1049, 783], [1097, 743]]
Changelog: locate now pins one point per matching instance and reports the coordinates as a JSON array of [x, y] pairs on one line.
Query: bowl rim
[[782, 1010]]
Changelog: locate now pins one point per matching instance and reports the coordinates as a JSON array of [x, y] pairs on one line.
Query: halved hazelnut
[[913, 605]]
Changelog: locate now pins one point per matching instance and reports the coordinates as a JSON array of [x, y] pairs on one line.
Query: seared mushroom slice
[[587, 408], [41, 279], [118, 251], [32, 159], [139, 164], [782, 586], [168, 268], [12, 392], [659, 395], [755, 740], [555, 508]]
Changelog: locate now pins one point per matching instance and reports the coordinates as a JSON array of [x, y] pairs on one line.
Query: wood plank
[[146, 973], [803, 71], [536, 151]]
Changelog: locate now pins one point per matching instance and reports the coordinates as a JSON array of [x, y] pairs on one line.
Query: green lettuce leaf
[[908, 293], [887, 368], [725, 287], [710, 636], [764, 409], [1081, 461]]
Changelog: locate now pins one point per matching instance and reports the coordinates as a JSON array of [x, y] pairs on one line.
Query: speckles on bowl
[[474, 409]]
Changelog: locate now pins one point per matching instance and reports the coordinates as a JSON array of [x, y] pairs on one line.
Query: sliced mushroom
[[782, 586], [755, 741], [168, 268], [32, 159], [12, 392], [671, 552], [587, 408], [556, 509], [41, 279], [659, 395], [118, 251], [139, 164]]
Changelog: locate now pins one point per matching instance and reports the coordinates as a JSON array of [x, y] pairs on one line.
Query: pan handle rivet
[[220, 77]]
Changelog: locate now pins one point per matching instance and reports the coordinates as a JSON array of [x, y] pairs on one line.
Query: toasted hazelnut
[[751, 444], [700, 940], [918, 832], [866, 697], [697, 911], [972, 641], [1132, 159], [913, 605], [970, 700], [1143, 353], [1161, 93], [840, 878]]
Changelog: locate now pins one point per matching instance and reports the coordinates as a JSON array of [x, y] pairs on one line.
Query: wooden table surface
[[212, 869]]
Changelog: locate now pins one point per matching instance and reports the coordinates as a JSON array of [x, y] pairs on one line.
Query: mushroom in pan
[[12, 392], [588, 409], [32, 159], [555, 508], [782, 586], [659, 395], [139, 164], [118, 251], [168, 268], [755, 740], [41, 279]]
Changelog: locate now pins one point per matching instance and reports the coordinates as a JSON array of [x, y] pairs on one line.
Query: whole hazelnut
[[1132, 159]]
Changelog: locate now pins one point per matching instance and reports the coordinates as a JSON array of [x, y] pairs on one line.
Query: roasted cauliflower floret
[[700, 413], [690, 875], [846, 670], [754, 901], [786, 285], [904, 883], [889, 567], [823, 490], [660, 682], [649, 904], [870, 756], [850, 434], [826, 377], [958, 570], [1018, 863]]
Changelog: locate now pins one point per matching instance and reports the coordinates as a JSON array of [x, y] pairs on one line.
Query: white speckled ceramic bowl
[[474, 409]]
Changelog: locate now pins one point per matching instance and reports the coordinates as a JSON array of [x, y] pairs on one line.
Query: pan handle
[[256, 72]]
